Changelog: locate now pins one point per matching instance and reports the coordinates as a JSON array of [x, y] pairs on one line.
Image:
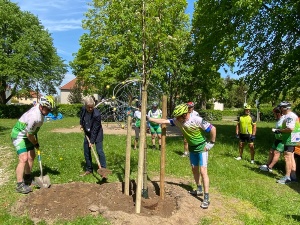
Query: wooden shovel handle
[[94, 152]]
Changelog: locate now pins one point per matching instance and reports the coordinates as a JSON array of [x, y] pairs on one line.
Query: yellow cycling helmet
[[180, 110], [247, 107]]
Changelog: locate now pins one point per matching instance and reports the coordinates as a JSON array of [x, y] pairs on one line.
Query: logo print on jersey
[[33, 125], [204, 122]]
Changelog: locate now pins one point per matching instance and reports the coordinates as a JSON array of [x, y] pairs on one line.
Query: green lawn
[[63, 160]]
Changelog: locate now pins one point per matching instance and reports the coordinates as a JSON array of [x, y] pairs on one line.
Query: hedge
[[73, 110]]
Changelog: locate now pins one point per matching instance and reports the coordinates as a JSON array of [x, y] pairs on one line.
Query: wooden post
[[128, 151], [142, 150], [163, 149]]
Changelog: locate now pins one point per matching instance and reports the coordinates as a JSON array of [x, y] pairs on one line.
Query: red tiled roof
[[33, 94], [69, 86]]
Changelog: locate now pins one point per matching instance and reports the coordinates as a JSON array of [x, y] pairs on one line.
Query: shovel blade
[[43, 181], [103, 172]]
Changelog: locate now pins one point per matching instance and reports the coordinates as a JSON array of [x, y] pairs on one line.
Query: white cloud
[[56, 15], [62, 25]]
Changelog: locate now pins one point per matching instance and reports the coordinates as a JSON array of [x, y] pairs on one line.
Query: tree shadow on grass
[[294, 217], [46, 171]]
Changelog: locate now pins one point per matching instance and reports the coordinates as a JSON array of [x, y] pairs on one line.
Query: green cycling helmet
[[180, 110]]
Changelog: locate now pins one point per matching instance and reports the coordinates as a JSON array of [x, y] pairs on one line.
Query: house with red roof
[[66, 90]]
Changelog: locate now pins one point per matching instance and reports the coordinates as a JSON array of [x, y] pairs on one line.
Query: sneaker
[[104, 180], [153, 147], [265, 168], [205, 204], [252, 161], [238, 158], [196, 192], [28, 181], [23, 188], [294, 179], [284, 180], [185, 154]]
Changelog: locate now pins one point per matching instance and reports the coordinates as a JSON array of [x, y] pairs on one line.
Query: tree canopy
[[28, 59], [257, 39], [112, 49]]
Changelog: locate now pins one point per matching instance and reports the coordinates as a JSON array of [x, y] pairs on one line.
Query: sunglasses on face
[[183, 116]]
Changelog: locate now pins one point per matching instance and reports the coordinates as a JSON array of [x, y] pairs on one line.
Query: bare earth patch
[[68, 201], [65, 202]]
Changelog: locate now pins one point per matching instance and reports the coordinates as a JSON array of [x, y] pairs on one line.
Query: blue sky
[[63, 20]]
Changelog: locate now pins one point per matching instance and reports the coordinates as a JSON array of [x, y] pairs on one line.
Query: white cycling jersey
[[194, 113], [30, 122]]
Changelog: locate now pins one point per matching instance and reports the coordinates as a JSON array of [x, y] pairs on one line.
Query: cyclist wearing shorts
[[245, 132], [277, 147], [155, 128], [24, 138], [192, 129], [290, 137]]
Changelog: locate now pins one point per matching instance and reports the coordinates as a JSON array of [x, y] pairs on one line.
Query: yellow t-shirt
[[245, 124]]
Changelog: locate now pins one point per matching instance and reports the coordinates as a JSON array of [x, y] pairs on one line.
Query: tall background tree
[[271, 43], [28, 59], [112, 49]]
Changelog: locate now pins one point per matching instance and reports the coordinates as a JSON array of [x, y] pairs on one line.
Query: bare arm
[[159, 121], [31, 138], [213, 134], [237, 131], [253, 129]]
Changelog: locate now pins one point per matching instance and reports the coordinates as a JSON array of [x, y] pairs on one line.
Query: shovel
[[102, 171], [42, 181]]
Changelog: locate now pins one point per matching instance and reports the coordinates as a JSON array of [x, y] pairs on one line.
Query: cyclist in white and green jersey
[[192, 129], [137, 116], [277, 147], [290, 137], [24, 138], [155, 128]]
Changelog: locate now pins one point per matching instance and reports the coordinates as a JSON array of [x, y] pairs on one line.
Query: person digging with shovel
[[24, 139], [90, 123]]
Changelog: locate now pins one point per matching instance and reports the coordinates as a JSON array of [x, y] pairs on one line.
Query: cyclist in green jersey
[[245, 132], [192, 129]]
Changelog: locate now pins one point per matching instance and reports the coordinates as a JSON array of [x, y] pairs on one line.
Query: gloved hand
[[237, 136], [276, 131], [37, 145], [209, 145], [252, 137]]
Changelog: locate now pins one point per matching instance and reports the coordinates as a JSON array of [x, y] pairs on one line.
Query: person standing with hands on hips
[[24, 138], [90, 122], [245, 132], [192, 128]]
